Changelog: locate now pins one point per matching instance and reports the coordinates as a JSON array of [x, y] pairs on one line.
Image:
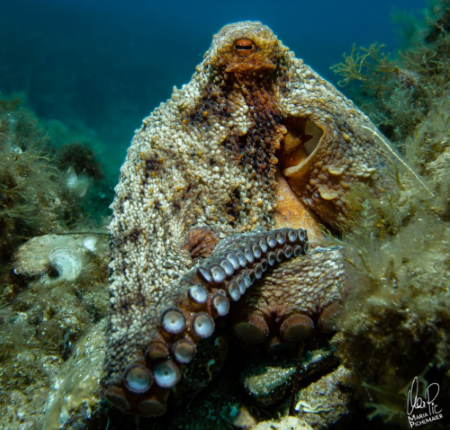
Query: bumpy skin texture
[[255, 133], [290, 301]]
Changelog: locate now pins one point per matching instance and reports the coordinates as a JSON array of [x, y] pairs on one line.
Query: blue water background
[[105, 65]]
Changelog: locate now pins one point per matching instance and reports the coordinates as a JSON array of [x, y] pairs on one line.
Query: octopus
[[217, 214]]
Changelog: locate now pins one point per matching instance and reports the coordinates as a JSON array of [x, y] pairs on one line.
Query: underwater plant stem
[[296, 379]]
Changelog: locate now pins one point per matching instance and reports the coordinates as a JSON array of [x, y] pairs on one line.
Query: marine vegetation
[[81, 158], [47, 302], [35, 195], [396, 322], [397, 90], [32, 195]]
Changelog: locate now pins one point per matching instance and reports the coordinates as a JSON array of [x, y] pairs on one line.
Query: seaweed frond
[[370, 66]]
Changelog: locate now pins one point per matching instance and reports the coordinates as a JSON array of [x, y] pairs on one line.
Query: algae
[[45, 306], [34, 196], [396, 319]]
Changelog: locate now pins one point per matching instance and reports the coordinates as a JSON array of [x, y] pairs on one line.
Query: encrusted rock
[[286, 423], [59, 258], [325, 402], [76, 387], [267, 381]]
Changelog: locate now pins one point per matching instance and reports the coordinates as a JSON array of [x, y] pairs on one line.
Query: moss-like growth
[[34, 195], [389, 93], [397, 92], [396, 321], [40, 328], [81, 158], [39, 321], [371, 67], [398, 309], [32, 200]]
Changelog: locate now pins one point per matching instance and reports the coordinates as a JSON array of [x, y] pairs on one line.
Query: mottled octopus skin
[[256, 141], [294, 298]]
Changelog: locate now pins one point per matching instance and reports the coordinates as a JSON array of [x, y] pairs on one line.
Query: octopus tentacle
[[311, 291], [204, 294]]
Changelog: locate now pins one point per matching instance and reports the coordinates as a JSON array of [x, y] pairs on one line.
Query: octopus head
[[246, 48]]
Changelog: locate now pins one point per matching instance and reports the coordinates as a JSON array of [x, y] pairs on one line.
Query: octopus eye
[[244, 47]]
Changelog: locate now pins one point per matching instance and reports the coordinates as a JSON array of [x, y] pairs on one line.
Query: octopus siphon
[[217, 214]]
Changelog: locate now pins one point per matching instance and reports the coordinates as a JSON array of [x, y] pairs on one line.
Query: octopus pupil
[[244, 47]]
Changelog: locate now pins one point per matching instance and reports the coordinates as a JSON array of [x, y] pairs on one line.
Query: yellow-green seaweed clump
[[397, 91], [396, 320]]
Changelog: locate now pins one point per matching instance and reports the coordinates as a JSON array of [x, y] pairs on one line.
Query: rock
[[286, 423], [57, 258]]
